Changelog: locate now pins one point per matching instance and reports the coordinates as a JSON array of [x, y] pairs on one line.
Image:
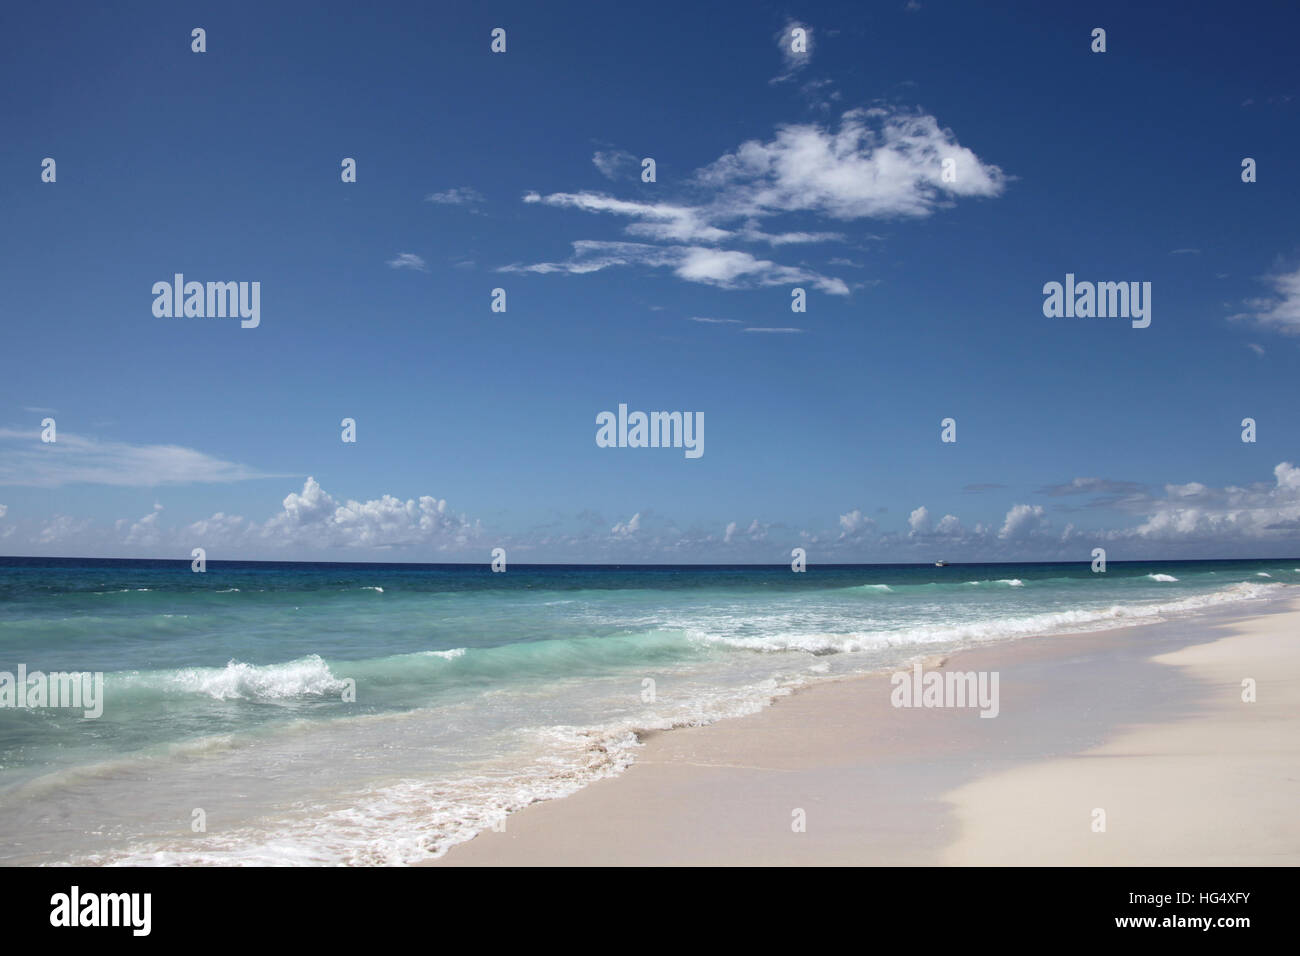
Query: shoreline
[[876, 784]]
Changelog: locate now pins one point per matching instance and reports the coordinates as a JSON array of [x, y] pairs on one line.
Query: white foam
[[307, 676], [1054, 622], [419, 819], [1161, 577]]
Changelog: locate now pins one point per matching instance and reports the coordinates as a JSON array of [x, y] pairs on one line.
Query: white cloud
[[1195, 512], [628, 528], [791, 61], [717, 267], [1022, 521], [220, 527], [881, 163], [771, 329], [145, 532], [408, 260], [4, 510], [61, 529], [950, 526], [655, 220], [614, 163], [456, 196], [1280, 312], [855, 524], [314, 517], [755, 531], [919, 520], [74, 459], [700, 318]]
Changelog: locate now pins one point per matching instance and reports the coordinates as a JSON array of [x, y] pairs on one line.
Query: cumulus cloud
[[310, 521], [1194, 512], [949, 526], [314, 517], [625, 529], [1021, 521], [881, 163], [919, 520], [220, 527], [62, 529], [755, 532], [145, 531], [922, 527], [855, 524], [75, 459]]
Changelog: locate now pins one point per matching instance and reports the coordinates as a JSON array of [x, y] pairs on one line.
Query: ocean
[[301, 713]]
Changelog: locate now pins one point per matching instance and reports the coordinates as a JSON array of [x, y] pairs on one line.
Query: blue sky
[[774, 170]]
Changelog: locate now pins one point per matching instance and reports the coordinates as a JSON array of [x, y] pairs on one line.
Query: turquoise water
[[231, 692]]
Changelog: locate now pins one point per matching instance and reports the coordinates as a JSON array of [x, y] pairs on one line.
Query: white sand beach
[[1146, 724]]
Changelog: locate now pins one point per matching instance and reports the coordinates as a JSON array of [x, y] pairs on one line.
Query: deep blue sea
[[366, 713]]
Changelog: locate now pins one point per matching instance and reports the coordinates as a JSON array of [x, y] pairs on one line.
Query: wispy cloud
[[880, 163], [1091, 486], [796, 49], [724, 268], [701, 318], [655, 220], [780, 331], [408, 260], [1281, 311], [457, 196], [74, 459], [615, 163]]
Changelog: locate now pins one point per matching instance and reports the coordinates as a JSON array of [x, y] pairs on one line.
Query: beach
[[335, 714], [1146, 724]]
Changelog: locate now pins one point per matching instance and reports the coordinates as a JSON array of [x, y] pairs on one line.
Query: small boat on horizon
[[941, 564]]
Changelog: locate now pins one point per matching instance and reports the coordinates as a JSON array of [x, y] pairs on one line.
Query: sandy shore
[[1146, 724]]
